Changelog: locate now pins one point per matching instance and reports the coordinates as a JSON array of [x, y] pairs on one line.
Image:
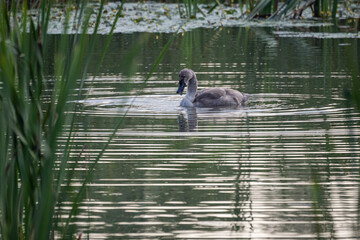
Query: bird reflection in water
[[187, 120]]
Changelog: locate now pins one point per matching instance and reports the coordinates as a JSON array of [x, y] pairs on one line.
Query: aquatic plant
[[190, 8], [274, 9], [33, 114], [36, 111]]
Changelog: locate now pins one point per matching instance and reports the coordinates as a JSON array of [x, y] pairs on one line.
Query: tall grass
[[34, 164], [32, 171], [191, 8], [275, 9]]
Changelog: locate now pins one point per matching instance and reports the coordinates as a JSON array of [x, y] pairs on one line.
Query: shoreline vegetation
[[35, 166], [144, 16]]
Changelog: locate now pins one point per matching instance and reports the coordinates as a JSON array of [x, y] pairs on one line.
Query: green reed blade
[[317, 8], [189, 6], [290, 5], [66, 154], [195, 7], [334, 9], [28, 205], [94, 37], [259, 7], [107, 42], [44, 20]]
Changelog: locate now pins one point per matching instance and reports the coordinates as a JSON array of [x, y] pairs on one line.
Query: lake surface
[[286, 166]]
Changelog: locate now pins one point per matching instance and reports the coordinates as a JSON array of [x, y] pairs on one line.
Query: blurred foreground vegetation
[[38, 112], [35, 167]]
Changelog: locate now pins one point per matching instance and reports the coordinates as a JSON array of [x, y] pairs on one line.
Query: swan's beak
[[182, 85]]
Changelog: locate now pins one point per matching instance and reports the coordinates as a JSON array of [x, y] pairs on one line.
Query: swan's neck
[[191, 89]]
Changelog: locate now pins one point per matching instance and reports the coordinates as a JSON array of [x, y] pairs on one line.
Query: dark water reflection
[[283, 167]]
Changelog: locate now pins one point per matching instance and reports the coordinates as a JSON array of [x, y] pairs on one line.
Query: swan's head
[[184, 76]]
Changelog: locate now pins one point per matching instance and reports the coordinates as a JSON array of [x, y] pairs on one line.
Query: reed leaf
[[30, 129], [259, 7], [195, 7], [334, 9], [286, 7], [213, 7]]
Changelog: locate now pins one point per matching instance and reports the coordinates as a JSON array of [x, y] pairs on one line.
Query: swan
[[208, 97]]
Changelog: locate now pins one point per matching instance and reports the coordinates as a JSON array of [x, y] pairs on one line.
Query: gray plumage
[[208, 97]]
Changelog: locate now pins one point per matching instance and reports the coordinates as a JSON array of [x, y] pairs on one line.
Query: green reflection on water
[[284, 166]]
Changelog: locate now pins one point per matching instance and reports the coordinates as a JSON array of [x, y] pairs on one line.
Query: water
[[283, 167]]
